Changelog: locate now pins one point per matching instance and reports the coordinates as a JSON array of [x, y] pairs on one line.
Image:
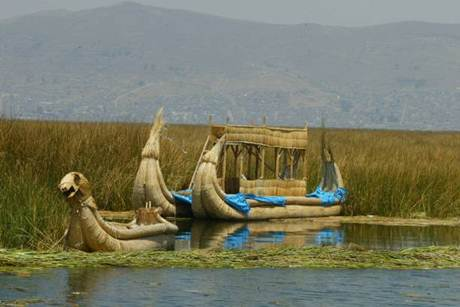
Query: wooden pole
[[262, 158], [285, 162], [242, 155], [305, 168], [235, 150], [248, 171], [256, 157], [235, 181], [291, 163], [277, 163]]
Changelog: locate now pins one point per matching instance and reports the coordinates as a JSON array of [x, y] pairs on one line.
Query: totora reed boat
[[242, 191], [149, 185], [88, 231]]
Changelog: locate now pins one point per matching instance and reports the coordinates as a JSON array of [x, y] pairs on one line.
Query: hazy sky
[[333, 12]]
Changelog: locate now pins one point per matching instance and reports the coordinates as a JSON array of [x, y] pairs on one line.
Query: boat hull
[[97, 235], [209, 199]]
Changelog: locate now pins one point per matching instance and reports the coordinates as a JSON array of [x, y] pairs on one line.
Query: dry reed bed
[[388, 173]]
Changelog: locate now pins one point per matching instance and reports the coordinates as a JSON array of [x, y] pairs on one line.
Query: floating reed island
[[311, 257]]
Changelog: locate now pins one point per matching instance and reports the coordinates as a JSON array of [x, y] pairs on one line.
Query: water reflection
[[397, 237], [200, 234]]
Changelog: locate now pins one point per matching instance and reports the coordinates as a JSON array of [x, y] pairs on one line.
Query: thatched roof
[[262, 135]]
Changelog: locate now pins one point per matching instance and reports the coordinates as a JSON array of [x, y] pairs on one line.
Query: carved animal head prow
[[75, 186]]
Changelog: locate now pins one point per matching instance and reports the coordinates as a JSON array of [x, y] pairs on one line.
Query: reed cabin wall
[[262, 169]]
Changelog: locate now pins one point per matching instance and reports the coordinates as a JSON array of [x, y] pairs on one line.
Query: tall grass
[[387, 172], [395, 173]]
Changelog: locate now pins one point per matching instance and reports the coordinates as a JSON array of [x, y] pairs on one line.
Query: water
[[261, 287], [198, 234], [224, 287]]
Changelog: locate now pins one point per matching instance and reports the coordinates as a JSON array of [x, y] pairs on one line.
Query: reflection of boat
[[330, 236], [149, 185], [259, 198], [89, 232], [256, 234]]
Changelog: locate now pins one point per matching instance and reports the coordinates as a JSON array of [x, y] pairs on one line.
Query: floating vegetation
[[352, 257]]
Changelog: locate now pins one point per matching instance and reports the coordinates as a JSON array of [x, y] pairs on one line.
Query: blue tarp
[[184, 236], [329, 198], [237, 239], [185, 199], [238, 201]]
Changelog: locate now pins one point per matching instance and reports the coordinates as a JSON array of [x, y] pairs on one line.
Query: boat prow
[[88, 231], [149, 185]]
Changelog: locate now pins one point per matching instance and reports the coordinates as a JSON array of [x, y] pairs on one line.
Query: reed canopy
[[287, 138], [260, 159]]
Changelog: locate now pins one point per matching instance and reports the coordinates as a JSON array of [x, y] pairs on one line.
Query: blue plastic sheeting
[[184, 236], [238, 201], [237, 239], [185, 199], [330, 198], [330, 237]]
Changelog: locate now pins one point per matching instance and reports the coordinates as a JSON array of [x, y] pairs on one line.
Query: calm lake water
[[261, 287], [196, 234]]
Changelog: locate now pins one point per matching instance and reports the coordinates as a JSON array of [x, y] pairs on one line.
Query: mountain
[[124, 61]]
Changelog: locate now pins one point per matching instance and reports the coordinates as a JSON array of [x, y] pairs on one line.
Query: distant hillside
[[122, 62]]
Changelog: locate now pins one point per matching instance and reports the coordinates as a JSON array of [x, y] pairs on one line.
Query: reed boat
[[149, 185], [243, 192], [88, 231]]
